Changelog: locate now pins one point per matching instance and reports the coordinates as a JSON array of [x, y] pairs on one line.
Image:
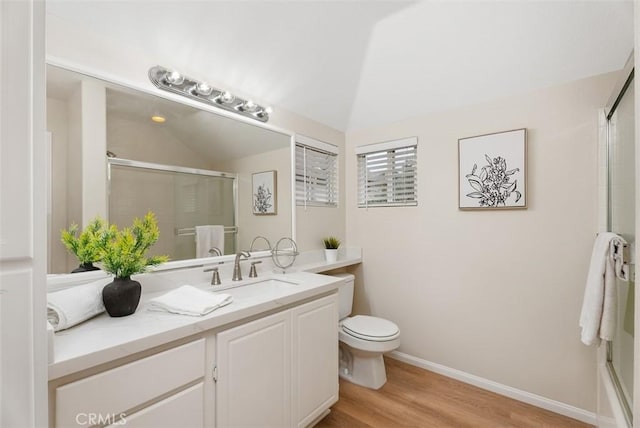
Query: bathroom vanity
[[267, 359]]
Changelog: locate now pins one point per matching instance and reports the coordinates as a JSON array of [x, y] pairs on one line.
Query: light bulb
[[226, 97], [249, 106], [265, 112], [174, 78], [158, 119], [203, 88]]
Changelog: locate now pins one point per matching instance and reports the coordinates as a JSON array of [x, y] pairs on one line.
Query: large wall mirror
[[118, 153]]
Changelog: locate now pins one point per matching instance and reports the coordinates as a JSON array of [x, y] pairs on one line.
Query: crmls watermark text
[[90, 419]]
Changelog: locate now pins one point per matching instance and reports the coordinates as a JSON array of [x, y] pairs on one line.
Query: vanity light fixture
[[172, 81]]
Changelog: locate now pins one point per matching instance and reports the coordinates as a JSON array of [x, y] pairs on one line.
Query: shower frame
[[620, 90]]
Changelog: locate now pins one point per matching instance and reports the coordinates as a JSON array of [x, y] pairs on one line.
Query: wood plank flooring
[[413, 397]]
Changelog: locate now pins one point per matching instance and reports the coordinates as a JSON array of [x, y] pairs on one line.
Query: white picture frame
[[264, 193], [492, 171]]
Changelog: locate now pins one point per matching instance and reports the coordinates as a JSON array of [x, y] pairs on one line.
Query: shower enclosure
[[621, 214]]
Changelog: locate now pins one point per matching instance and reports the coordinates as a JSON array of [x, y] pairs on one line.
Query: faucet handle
[[253, 273], [215, 278]]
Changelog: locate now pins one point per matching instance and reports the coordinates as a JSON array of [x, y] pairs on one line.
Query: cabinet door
[[315, 358], [254, 373]]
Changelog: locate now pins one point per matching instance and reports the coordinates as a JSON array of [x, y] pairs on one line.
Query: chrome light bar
[[172, 81]]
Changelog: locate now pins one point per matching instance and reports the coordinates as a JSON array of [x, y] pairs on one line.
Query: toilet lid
[[372, 328]]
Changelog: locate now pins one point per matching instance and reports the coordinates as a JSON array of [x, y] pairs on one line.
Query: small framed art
[[492, 171], [265, 199]]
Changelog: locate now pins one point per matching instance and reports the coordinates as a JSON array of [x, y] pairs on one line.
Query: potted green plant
[[331, 245], [86, 246], [123, 256]]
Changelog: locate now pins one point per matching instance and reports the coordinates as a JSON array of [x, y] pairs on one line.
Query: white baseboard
[[498, 388]]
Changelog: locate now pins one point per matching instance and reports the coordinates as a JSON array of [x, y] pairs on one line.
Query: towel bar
[[186, 231]]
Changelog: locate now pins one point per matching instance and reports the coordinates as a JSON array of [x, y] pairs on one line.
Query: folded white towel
[[188, 300], [599, 306], [208, 237], [76, 304]]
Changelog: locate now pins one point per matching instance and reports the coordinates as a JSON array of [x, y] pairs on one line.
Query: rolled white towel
[[76, 304], [188, 300], [599, 305]]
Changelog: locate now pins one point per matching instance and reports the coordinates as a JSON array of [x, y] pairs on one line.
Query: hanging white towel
[[599, 306], [75, 304], [208, 237], [188, 300]]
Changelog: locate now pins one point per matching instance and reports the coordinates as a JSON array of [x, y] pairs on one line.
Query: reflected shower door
[[621, 220], [179, 200]]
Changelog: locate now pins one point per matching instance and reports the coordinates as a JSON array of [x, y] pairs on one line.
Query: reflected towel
[[75, 304], [188, 300], [599, 306], [208, 237]]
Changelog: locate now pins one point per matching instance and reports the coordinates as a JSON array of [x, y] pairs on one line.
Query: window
[[387, 173], [316, 173]]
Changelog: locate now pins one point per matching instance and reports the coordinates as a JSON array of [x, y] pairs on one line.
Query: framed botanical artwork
[[264, 195], [492, 171]]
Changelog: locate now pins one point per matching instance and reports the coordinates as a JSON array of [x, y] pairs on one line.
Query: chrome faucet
[[237, 272], [215, 251]]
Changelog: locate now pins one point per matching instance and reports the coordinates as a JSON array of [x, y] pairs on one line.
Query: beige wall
[[94, 149], [78, 165], [150, 142], [315, 223], [272, 227], [57, 125], [496, 294]]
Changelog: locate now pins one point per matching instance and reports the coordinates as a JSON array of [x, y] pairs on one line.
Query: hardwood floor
[[413, 397]]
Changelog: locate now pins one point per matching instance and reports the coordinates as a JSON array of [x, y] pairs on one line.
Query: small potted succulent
[[86, 246], [331, 245], [123, 255]]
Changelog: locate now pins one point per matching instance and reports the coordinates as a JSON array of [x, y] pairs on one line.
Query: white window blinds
[[387, 173], [316, 173]]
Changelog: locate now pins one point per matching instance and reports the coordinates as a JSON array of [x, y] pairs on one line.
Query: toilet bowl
[[363, 341]]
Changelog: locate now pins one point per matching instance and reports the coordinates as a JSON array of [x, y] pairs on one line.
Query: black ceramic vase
[[121, 297], [85, 267]]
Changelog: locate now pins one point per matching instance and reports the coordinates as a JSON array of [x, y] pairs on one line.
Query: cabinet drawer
[[184, 409], [120, 389]]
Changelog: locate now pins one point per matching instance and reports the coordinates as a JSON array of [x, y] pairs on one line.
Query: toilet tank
[[345, 294]]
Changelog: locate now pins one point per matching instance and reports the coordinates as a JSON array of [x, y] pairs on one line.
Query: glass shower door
[[621, 220]]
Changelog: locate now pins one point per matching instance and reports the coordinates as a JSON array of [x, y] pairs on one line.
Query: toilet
[[363, 340]]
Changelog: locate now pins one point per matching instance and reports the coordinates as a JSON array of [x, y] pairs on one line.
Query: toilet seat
[[370, 328]]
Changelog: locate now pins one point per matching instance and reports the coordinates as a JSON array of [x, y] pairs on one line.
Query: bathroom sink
[[258, 289], [256, 285]]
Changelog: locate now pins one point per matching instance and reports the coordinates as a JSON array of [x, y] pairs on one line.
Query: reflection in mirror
[[191, 167]]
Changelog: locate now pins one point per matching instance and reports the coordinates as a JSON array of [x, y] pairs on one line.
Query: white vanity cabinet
[[276, 368], [280, 370]]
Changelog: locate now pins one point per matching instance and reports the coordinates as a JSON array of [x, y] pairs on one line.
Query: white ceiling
[[353, 64]]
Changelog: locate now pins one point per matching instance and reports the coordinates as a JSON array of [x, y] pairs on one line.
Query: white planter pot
[[331, 256]]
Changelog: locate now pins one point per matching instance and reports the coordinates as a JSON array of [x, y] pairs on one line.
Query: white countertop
[[103, 339]]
